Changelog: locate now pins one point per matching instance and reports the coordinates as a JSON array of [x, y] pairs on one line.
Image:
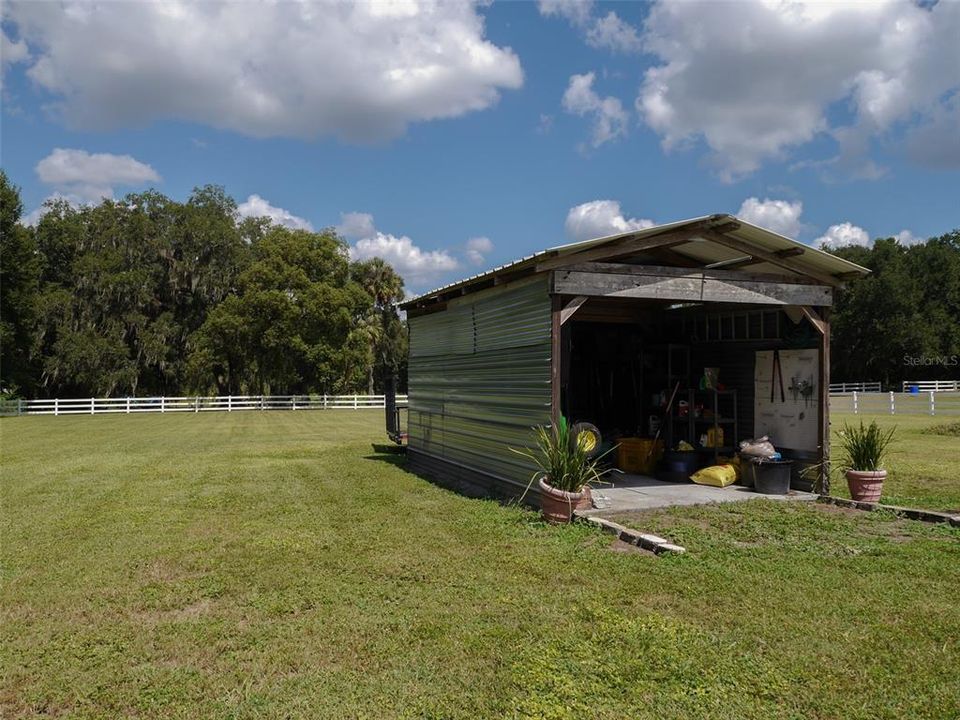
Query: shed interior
[[622, 360]]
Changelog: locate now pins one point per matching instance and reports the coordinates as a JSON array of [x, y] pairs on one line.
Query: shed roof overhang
[[710, 242]]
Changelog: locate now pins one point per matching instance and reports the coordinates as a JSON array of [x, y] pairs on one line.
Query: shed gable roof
[[707, 241]]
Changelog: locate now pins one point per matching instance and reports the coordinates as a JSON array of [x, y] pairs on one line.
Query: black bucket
[[678, 465], [770, 477]]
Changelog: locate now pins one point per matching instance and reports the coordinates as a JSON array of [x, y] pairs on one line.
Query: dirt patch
[[837, 509], [619, 546], [897, 531], [192, 611], [948, 429]]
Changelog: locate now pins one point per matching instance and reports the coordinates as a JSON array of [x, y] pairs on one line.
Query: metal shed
[[497, 353]]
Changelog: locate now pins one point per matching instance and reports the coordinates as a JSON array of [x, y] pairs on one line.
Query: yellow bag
[[735, 461], [715, 475]]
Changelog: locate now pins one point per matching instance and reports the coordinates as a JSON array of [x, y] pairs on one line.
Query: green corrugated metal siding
[[479, 378]]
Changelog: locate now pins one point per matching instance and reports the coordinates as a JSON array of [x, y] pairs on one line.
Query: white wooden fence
[[933, 385], [879, 403], [843, 388], [221, 403]]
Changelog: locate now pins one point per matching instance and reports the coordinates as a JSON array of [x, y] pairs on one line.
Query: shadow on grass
[[388, 453], [396, 455]]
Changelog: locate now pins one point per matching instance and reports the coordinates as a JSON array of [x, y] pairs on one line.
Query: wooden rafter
[[629, 245], [767, 256]]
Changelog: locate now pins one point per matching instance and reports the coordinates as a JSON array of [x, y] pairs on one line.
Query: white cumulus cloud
[[478, 248], [608, 31], [753, 80], [416, 265], [905, 237], [781, 216], [600, 218], [360, 71], [11, 52], [843, 234], [90, 177], [609, 117], [255, 207], [356, 225]]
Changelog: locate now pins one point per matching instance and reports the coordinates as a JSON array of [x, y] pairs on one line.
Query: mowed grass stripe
[[276, 565]]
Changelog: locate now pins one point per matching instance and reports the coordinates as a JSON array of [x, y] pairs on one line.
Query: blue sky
[[464, 136]]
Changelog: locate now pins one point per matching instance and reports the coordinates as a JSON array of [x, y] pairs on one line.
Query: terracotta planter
[[866, 485], [586, 502], [557, 506]]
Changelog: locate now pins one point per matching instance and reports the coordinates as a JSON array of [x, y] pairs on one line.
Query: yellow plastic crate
[[639, 455]]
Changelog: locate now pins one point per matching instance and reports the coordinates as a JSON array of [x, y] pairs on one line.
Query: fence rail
[[844, 388], [219, 403], [878, 403], [932, 385]]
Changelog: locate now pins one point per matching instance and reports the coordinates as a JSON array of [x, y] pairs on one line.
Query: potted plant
[[864, 450], [565, 470]]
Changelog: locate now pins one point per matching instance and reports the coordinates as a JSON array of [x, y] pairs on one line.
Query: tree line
[[901, 322], [150, 296]]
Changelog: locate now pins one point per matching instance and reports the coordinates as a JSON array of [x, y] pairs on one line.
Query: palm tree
[[385, 288]]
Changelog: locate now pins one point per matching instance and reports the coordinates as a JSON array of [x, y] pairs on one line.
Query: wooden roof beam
[[771, 257], [629, 245]]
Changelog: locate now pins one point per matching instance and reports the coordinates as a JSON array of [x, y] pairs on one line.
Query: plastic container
[[678, 465], [639, 455], [914, 389], [770, 477]]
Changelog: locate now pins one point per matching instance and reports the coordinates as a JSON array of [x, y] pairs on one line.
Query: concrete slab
[[639, 492]]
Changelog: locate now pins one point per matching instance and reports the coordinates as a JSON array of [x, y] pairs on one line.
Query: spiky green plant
[[561, 458], [864, 447]]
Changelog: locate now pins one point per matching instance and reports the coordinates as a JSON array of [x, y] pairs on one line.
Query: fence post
[[128, 404], [229, 403], [892, 405], [56, 406], [354, 402], [91, 406], [196, 404], [324, 401], [261, 403], [293, 401], [19, 406], [163, 404], [856, 407], [932, 406]]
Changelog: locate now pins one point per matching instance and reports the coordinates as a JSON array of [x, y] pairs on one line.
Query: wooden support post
[[824, 391], [555, 350]]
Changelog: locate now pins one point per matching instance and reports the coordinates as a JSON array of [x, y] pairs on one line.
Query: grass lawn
[[273, 565], [924, 461]]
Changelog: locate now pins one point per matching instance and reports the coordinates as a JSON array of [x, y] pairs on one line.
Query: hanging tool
[[777, 374], [667, 419]]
